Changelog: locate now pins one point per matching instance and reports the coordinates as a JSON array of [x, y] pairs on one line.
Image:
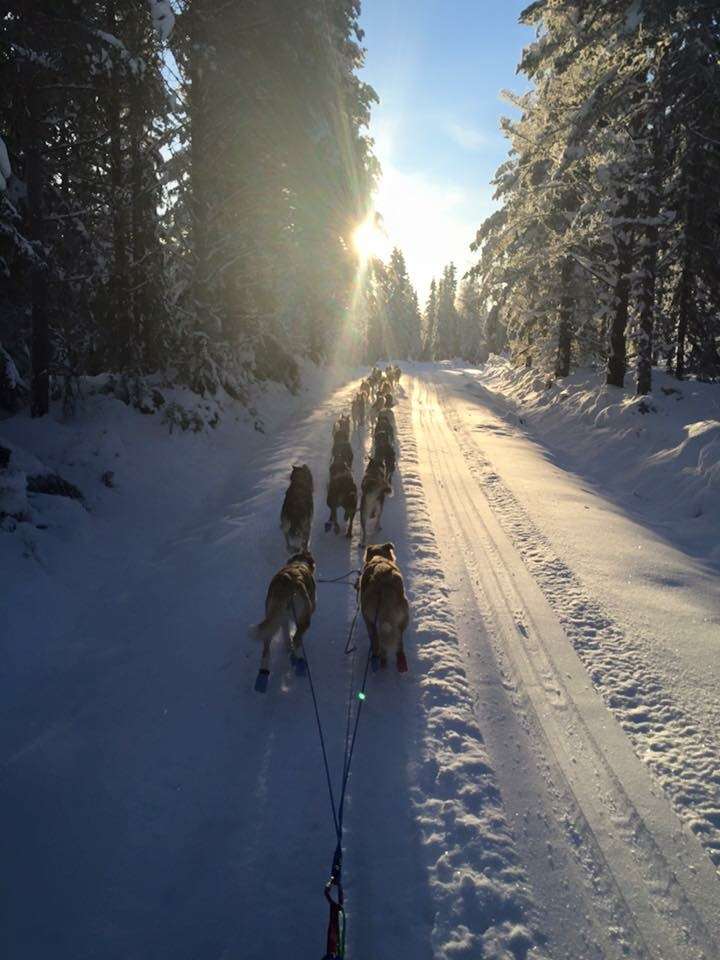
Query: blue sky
[[438, 67]]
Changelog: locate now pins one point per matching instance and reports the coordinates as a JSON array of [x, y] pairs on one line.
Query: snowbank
[[658, 455], [138, 469]]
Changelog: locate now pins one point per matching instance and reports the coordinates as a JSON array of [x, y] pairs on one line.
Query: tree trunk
[[137, 245], [119, 286], [648, 263], [565, 320], [686, 301], [199, 148], [35, 178], [617, 358], [142, 322], [685, 307], [647, 313], [648, 274]]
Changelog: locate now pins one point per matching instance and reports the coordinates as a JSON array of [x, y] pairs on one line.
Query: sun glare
[[369, 240]]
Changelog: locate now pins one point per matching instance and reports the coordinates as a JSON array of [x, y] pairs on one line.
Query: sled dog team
[[290, 601]]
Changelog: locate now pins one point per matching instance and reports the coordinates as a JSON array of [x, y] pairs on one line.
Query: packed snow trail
[[643, 615], [648, 876], [160, 808]]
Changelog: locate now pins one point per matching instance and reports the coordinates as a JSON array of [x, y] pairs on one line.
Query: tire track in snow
[[683, 755]]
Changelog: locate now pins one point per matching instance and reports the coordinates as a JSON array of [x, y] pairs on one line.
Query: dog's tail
[[281, 615], [267, 627]]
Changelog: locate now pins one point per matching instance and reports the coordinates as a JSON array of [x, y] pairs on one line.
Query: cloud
[[470, 138]]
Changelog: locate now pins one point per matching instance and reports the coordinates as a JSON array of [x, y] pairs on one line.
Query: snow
[[5, 168], [542, 782], [568, 773], [163, 18], [663, 464], [634, 580]]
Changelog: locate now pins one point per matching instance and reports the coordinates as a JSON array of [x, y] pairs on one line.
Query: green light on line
[[361, 695]]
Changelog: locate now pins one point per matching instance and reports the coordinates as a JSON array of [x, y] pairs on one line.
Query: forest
[[181, 183], [179, 187]]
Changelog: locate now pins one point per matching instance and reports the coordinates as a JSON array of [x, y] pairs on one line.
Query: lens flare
[[370, 240]]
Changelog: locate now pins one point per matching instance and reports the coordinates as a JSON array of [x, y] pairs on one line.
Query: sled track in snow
[[684, 756], [483, 905], [642, 866]]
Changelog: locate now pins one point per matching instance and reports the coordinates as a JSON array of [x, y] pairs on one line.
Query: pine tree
[[601, 239], [471, 320], [402, 313], [180, 211], [446, 344], [430, 322]]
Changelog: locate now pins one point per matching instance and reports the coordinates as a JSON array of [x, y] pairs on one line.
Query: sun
[[369, 239]]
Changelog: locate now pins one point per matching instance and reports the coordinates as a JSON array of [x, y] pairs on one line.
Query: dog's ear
[[371, 552], [387, 550], [303, 557]]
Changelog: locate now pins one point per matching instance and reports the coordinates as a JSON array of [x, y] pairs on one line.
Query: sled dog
[[341, 429], [384, 452], [341, 494], [383, 603], [342, 450], [374, 489], [358, 409], [297, 510], [289, 606]]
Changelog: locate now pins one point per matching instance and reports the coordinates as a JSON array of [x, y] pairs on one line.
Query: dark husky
[[358, 409], [341, 494], [341, 429], [384, 452], [386, 423], [375, 488], [297, 510], [342, 450]]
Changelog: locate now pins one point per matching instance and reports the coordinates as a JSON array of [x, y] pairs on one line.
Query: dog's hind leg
[[373, 635], [332, 522], [297, 642], [265, 657], [350, 517], [378, 518], [297, 649], [400, 659]]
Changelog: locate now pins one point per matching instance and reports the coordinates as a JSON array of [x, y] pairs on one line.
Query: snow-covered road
[[645, 880], [545, 781]]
